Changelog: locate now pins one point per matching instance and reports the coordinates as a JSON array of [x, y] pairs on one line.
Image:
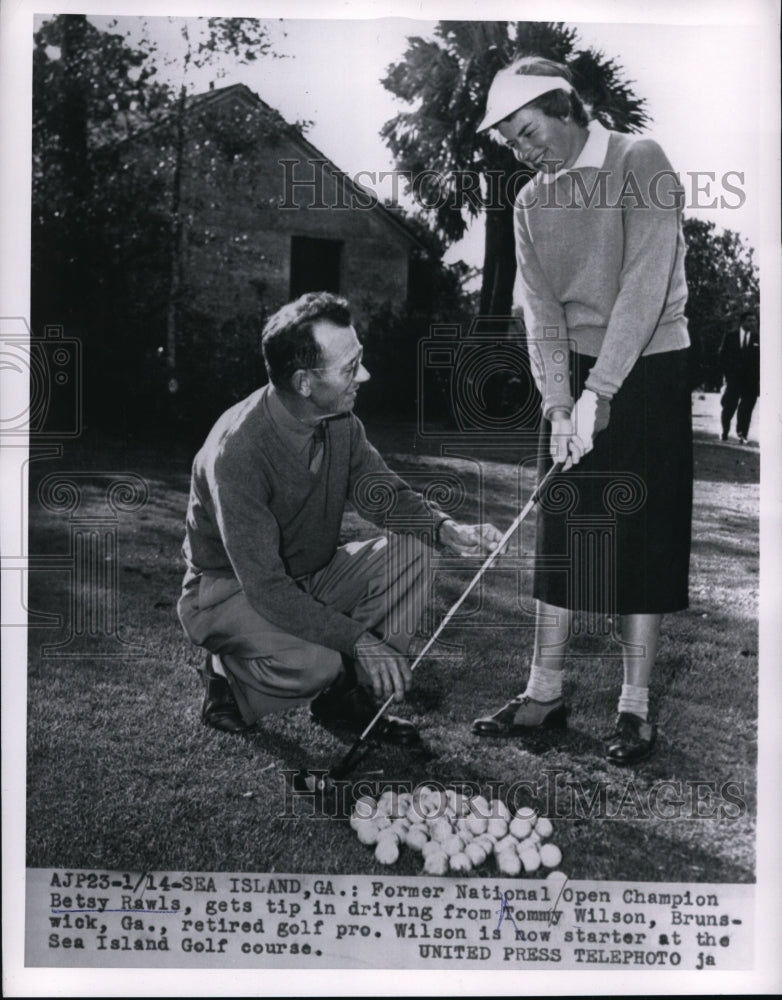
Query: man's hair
[[288, 342], [556, 103]]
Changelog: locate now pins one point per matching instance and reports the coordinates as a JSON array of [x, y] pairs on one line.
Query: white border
[[16, 30]]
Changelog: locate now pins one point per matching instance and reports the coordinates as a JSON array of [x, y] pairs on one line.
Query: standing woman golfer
[[600, 257]]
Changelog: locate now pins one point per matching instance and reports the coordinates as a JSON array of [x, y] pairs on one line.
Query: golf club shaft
[[489, 560]]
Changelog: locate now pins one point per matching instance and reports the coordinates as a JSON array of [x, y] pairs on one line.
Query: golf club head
[[350, 761], [321, 782]]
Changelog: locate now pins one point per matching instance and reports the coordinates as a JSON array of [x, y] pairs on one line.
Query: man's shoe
[[219, 709], [742, 439], [354, 709], [724, 435], [521, 715], [632, 740]]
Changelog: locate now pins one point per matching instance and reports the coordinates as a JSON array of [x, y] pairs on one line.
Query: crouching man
[[287, 615]]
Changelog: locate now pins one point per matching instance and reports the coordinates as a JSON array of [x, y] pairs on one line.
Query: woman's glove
[[573, 434], [590, 416]]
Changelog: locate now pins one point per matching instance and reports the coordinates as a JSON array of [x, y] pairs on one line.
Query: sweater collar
[[294, 432], [592, 155]]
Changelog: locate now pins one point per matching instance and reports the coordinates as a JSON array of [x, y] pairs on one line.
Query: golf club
[[359, 748]]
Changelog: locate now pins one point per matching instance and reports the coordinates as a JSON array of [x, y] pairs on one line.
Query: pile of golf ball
[[454, 832]]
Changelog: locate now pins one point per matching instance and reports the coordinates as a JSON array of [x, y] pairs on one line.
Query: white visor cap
[[510, 91]]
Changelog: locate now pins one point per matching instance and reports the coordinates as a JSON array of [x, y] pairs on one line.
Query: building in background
[[267, 216], [196, 223]]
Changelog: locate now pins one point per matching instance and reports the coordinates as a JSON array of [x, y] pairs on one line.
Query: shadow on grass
[[716, 462]]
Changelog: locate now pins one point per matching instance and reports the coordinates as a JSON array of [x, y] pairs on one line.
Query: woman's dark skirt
[[613, 533]]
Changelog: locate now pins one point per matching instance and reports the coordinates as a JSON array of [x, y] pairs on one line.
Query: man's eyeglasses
[[349, 371]]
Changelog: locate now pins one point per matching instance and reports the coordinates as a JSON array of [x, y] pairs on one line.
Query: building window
[[315, 265]]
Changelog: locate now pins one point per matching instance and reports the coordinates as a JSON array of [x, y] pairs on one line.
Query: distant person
[[740, 364], [287, 614], [603, 291]]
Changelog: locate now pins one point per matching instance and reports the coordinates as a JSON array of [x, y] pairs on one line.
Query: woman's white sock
[[544, 684]]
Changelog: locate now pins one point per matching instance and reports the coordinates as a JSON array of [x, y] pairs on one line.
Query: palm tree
[[447, 79]]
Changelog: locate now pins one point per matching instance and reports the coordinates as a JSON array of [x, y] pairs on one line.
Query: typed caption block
[[93, 919]]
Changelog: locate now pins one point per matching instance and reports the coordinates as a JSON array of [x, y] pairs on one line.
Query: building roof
[[219, 95]]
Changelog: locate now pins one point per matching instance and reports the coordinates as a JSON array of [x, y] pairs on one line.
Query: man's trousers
[[736, 397], [383, 583]]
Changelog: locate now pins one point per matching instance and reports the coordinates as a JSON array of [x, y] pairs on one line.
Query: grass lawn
[[122, 775]]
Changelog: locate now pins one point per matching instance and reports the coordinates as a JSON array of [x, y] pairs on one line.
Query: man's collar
[[592, 155], [297, 434]]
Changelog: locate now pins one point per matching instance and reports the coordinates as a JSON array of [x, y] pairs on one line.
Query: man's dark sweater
[[257, 513]]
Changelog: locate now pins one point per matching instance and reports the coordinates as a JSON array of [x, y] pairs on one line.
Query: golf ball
[[416, 838], [520, 828], [499, 810], [387, 851], [438, 802], [497, 827], [415, 812], [440, 828], [476, 824], [544, 827], [479, 806], [461, 804], [475, 853], [530, 859], [509, 863], [485, 841], [436, 863], [550, 855], [404, 800], [454, 832], [453, 845], [401, 826], [365, 807], [508, 843], [367, 832]]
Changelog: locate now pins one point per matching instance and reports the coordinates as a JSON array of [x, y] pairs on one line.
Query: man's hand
[[381, 669], [470, 539]]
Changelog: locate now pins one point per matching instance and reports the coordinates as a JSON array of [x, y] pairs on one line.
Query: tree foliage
[[108, 219], [447, 79], [85, 84]]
